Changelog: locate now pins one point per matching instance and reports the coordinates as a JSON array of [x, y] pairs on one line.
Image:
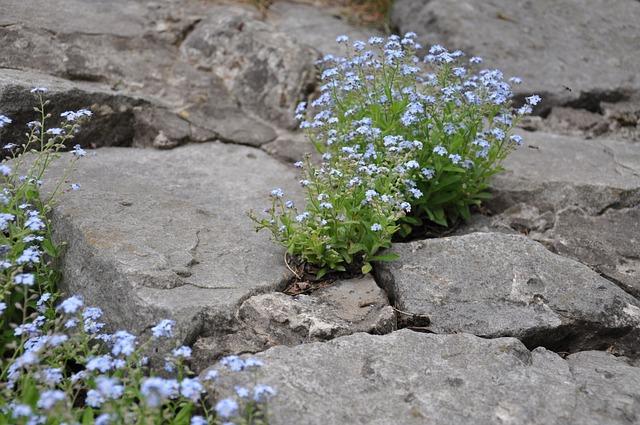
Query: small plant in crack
[[405, 142]]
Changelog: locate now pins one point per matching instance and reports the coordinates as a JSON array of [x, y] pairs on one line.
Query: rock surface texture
[[492, 285], [413, 378], [157, 234], [572, 52], [528, 314]]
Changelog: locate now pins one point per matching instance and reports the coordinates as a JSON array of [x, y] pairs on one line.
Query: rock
[[342, 308], [414, 378], [315, 27], [572, 52], [579, 122], [552, 172], [156, 234], [494, 284], [608, 242], [291, 147], [142, 56], [266, 70], [111, 125]]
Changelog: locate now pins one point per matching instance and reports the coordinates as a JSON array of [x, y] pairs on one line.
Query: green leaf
[[50, 248], [323, 271], [87, 416], [183, 416], [390, 256], [366, 268]]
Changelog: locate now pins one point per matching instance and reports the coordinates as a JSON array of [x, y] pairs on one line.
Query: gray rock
[[265, 69], [608, 242], [552, 172], [573, 52], [154, 234], [342, 308], [415, 378], [141, 55], [315, 27], [111, 125], [291, 147], [494, 284]]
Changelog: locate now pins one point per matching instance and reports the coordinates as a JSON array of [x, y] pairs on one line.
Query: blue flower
[[183, 351], [517, 139], [198, 420], [455, 158], [440, 150], [71, 305], [102, 363], [191, 388], [50, 398], [55, 131], [27, 279], [233, 363], [533, 100], [164, 329], [37, 90], [263, 392], [226, 407], [4, 120], [376, 227], [277, 193], [156, 390], [342, 39], [123, 343]]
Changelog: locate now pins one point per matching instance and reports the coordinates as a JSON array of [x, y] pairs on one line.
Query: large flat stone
[[494, 284], [570, 51], [414, 378], [157, 234], [552, 172]]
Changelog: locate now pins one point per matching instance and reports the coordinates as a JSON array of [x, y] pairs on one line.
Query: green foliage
[[422, 139]]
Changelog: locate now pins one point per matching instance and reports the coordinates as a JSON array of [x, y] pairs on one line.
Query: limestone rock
[[549, 43], [552, 172], [609, 243], [415, 378], [342, 308], [494, 284], [265, 69], [156, 234], [315, 27]]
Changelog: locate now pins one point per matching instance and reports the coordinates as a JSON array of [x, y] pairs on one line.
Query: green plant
[[433, 136], [58, 365], [463, 119]]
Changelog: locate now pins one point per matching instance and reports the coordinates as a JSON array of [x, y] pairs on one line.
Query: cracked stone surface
[[414, 378], [267, 320], [550, 44], [163, 53], [315, 27], [552, 172], [156, 234], [494, 284]]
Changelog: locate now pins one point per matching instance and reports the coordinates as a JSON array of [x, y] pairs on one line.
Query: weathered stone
[[141, 55], [111, 125], [610, 243], [343, 308], [154, 234], [266, 70], [315, 27], [493, 284], [550, 44], [415, 378], [578, 122], [552, 172], [290, 147]]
